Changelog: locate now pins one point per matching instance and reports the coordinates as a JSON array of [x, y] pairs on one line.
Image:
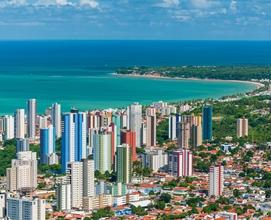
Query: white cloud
[[89, 3], [5, 3], [202, 3], [17, 2], [169, 3], [54, 2]]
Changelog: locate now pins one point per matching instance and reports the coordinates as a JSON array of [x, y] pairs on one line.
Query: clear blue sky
[[136, 19]]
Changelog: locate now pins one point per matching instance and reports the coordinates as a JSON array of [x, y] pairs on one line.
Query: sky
[[136, 19]]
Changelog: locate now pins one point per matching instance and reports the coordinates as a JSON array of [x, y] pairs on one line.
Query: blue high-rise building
[[74, 138], [22, 144], [47, 144], [207, 127]]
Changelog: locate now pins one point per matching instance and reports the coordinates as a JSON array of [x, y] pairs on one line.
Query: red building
[[129, 137]]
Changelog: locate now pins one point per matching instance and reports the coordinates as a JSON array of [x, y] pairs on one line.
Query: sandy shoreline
[[257, 84]]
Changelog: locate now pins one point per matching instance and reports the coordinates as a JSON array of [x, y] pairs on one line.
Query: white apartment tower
[[23, 171], [172, 127], [31, 118], [180, 163], [216, 180], [82, 181], [134, 113], [2, 205], [8, 127], [56, 118], [63, 194], [19, 123]]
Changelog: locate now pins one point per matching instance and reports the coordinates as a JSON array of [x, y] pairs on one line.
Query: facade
[[81, 181], [23, 172], [43, 121], [216, 180], [102, 151], [173, 120], [151, 127], [2, 205], [242, 127], [119, 189], [155, 159], [56, 119], [134, 113], [207, 114], [31, 118], [196, 135], [8, 127], [25, 209], [19, 123], [180, 163], [183, 131], [74, 138], [129, 137], [63, 197], [116, 119], [124, 163], [47, 145], [97, 202], [22, 144]]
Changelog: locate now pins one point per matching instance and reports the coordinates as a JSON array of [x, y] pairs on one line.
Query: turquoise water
[[86, 92], [77, 73]]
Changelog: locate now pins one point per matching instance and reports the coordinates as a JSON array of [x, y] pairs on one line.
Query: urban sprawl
[[205, 159]]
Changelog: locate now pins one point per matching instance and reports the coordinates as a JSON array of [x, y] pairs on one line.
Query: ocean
[[79, 73]]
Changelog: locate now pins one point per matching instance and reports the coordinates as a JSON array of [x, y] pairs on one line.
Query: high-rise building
[[129, 137], [124, 163], [56, 118], [19, 123], [113, 131], [180, 163], [88, 178], [25, 208], [242, 127], [196, 135], [116, 119], [207, 127], [43, 121], [63, 197], [134, 113], [22, 144], [74, 138], [102, 151], [82, 181], [173, 120], [8, 127], [47, 145], [143, 134], [2, 205], [23, 172], [1, 125], [183, 131], [216, 180], [155, 159], [31, 118], [151, 127]]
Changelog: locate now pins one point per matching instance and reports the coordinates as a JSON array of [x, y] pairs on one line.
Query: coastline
[[151, 76]]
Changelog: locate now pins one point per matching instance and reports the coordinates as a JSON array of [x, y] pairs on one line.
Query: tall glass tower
[[207, 114], [74, 138]]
